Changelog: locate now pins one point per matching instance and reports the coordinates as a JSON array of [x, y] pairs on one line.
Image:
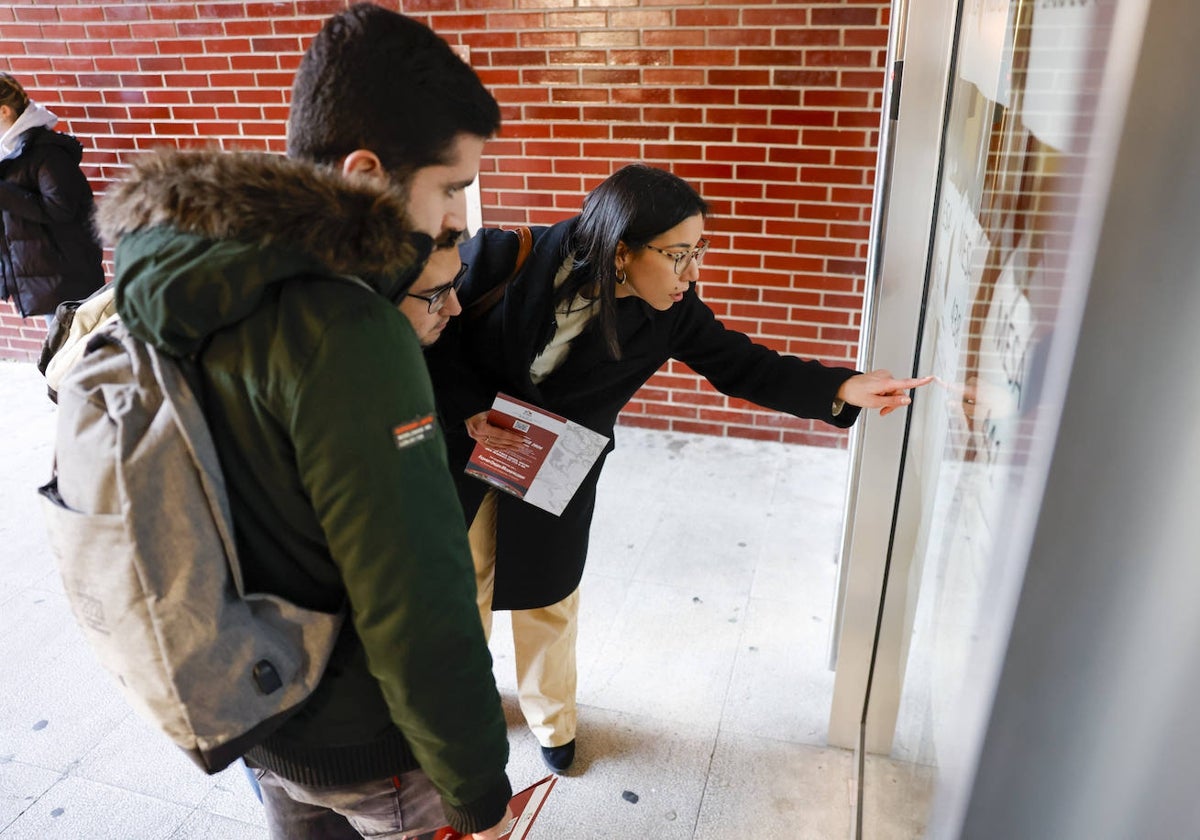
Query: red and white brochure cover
[[525, 807], [548, 469]]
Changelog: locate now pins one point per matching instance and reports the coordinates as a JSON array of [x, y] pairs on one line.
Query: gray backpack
[[140, 525]]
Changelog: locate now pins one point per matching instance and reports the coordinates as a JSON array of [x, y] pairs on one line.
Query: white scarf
[[34, 116]]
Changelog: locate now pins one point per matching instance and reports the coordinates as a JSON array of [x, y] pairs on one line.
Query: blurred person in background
[[49, 252]]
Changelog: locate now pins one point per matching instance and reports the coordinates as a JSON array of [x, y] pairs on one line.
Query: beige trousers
[[543, 641]]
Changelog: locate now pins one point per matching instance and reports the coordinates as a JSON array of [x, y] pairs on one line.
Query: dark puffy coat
[[540, 557], [48, 251]]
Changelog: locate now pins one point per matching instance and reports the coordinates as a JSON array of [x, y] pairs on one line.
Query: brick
[[556, 112], [199, 29], [871, 79], [35, 14], [838, 100], [800, 154], [673, 151], [805, 78], [766, 173], [63, 32], [777, 97], [641, 95], [705, 58], [509, 96], [712, 291], [672, 38], [768, 136], [721, 417], [636, 422], [51, 48], [672, 76], [544, 76], [775, 58], [808, 37], [844, 17], [529, 40], [852, 267], [736, 153], [833, 137], [762, 244], [612, 114], [517, 21], [847, 334], [703, 133], [578, 57], [612, 151], [518, 58], [641, 19], [555, 183], [76, 13], [623, 38], [832, 175], [806, 118], [695, 428], [859, 119], [573, 94], [610, 77], [552, 148], [707, 18], [641, 58], [846, 195], [576, 20], [739, 37], [703, 96], [866, 38]]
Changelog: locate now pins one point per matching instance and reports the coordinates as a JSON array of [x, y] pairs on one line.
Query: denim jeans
[[389, 809]]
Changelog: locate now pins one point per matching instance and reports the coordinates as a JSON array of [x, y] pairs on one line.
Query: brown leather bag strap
[[484, 305]]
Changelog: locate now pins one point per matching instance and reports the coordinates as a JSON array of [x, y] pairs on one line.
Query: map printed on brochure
[[525, 807], [549, 468]]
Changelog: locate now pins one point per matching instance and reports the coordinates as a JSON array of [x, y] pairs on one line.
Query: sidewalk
[[703, 689]]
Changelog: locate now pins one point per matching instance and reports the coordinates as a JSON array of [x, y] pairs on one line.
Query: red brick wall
[[770, 109]]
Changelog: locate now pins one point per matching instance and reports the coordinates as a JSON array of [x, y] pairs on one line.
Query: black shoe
[[559, 759]]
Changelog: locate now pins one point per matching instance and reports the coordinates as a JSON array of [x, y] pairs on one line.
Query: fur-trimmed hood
[[198, 236]]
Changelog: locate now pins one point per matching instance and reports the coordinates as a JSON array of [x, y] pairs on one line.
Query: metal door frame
[[924, 32]]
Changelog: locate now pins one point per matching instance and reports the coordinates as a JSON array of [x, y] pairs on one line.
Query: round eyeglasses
[[437, 298], [684, 258]]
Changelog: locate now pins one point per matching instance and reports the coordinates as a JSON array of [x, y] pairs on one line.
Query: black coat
[[540, 557], [48, 250]]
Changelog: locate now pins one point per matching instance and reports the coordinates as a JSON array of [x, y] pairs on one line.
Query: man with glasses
[[431, 301], [281, 278]]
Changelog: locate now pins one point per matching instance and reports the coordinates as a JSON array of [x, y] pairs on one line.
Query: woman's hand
[[878, 389], [497, 831], [493, 437]]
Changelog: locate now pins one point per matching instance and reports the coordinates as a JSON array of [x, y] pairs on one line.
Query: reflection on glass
[[1022, 99]]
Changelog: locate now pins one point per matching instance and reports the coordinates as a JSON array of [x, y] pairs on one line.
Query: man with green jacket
[[281, 278]]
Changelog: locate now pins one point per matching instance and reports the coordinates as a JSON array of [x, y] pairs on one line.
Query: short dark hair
[[375, 79], [633, 205]]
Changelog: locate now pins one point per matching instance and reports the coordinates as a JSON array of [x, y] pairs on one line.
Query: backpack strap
[[481, 307]]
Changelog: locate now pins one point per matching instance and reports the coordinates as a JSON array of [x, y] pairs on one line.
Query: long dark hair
[[633, 205]]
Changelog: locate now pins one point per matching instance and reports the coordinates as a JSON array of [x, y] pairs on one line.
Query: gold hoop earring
[[621, 277]]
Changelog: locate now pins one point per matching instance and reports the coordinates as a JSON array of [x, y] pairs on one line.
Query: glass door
[[992, 134]]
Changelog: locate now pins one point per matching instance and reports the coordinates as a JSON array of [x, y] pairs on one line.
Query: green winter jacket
[[322, 412]]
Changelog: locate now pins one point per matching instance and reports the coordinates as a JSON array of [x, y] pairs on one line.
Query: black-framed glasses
[[684, 259], [437, 298]]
